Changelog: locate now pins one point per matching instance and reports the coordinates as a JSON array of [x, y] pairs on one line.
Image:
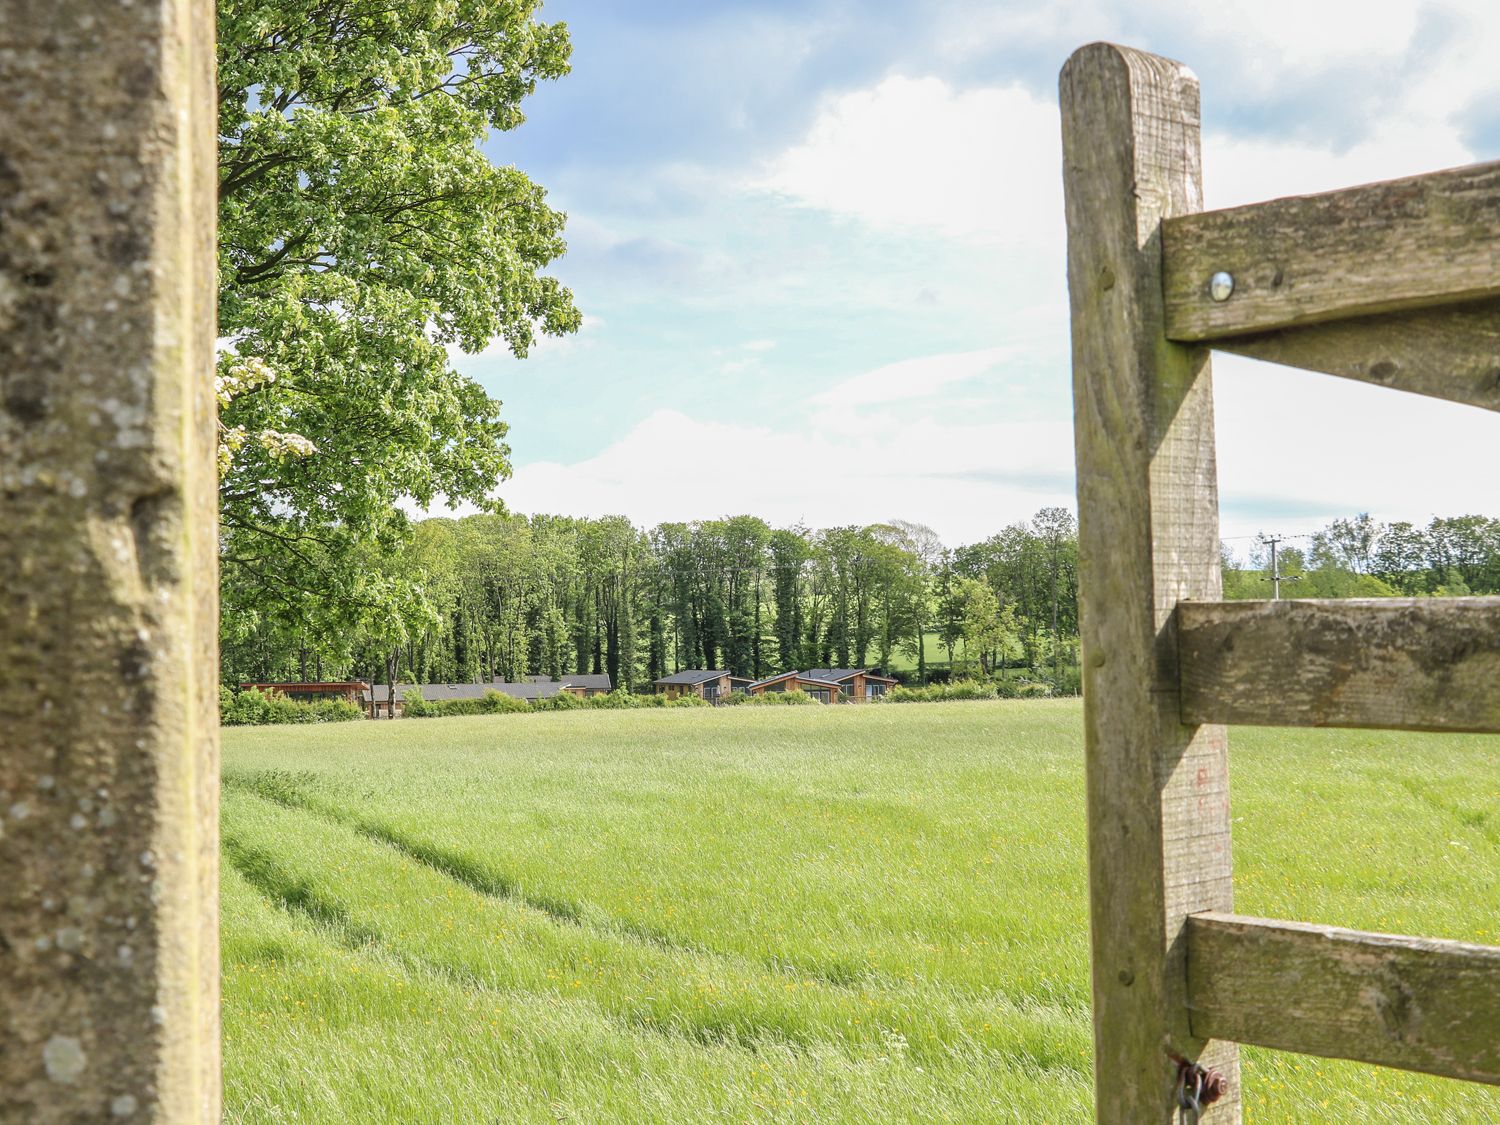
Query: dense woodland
[[509, 596]]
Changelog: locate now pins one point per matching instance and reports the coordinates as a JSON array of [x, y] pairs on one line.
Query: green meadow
[[840, 914]]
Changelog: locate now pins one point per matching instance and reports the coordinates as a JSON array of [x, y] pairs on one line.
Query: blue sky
[[819, 251]]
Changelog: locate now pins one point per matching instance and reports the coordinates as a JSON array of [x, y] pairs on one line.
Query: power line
[[1277, 578], [1261, 535]]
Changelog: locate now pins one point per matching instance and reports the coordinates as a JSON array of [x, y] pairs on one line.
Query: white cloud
[[910, 378], [1295, 449], [966, 480], [1296, 33], [1238, 171], [915, 152], [758, 345], [1265, 39]]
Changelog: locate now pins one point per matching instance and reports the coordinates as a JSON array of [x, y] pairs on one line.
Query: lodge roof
[[773, 679], [431, 693], [691, 676], [830, 675], [839, 675], [592, 682]]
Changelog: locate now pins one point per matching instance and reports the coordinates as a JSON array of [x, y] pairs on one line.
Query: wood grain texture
[[1402, 244], [109, 726], [1451, 353], [1414, 1003], [1148, 536], [1401, 663]]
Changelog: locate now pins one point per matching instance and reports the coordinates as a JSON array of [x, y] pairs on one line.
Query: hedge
[[970, 689], [413, 706], [779, 699], [253, 708]]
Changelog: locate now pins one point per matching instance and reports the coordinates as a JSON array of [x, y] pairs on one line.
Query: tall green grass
[[800, 914]]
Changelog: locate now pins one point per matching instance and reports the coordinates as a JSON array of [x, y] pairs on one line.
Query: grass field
[[771, 914]]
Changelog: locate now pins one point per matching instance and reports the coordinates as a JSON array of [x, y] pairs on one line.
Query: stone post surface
[[108, 585]]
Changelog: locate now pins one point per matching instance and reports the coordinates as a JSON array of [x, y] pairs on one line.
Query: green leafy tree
[[911, 554], [989, 631], [362, 234], [1348, 544], [950, 610], [1401, 557], [789, 558], [1469, 545], [1058, 532]]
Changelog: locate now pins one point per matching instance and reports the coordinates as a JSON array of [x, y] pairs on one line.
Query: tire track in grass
[[286, 892], [295, 896], [668, 991], [364, 1053], [288, 790], [282, 788]]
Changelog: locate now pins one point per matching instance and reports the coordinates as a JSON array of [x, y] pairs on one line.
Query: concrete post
[[108, 584]]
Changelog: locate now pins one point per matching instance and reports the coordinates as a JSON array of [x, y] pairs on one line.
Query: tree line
[[1362, 557], [508, 596], [464, 600]]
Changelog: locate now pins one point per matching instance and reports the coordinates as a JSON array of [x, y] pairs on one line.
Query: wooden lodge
[[826, 685], [708, 685], [829, 685]]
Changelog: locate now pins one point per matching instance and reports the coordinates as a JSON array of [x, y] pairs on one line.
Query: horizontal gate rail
[[1409, 1002], [1396, 663], [1448, 353], [1402, 244]]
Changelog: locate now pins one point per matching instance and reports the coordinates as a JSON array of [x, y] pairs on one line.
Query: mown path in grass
[[801, 914]]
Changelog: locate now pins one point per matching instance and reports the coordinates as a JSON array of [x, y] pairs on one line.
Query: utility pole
[[1277, 578]]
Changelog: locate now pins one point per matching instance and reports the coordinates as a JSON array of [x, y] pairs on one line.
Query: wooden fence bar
[[1447, 353], [1414, 1003], [1402, 244], [108, 496], [1158, 801], [1396, 663]]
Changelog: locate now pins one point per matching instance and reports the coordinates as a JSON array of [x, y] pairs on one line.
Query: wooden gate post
[[108, 668], [1158, 796]]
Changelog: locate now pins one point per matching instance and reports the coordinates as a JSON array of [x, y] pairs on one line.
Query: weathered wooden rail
[[1396, 284]]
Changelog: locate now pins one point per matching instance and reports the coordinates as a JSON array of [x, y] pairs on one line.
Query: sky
[[819, 250]]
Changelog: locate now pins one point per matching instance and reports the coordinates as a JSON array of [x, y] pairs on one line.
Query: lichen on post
[[108, 668], [1148, 538]]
